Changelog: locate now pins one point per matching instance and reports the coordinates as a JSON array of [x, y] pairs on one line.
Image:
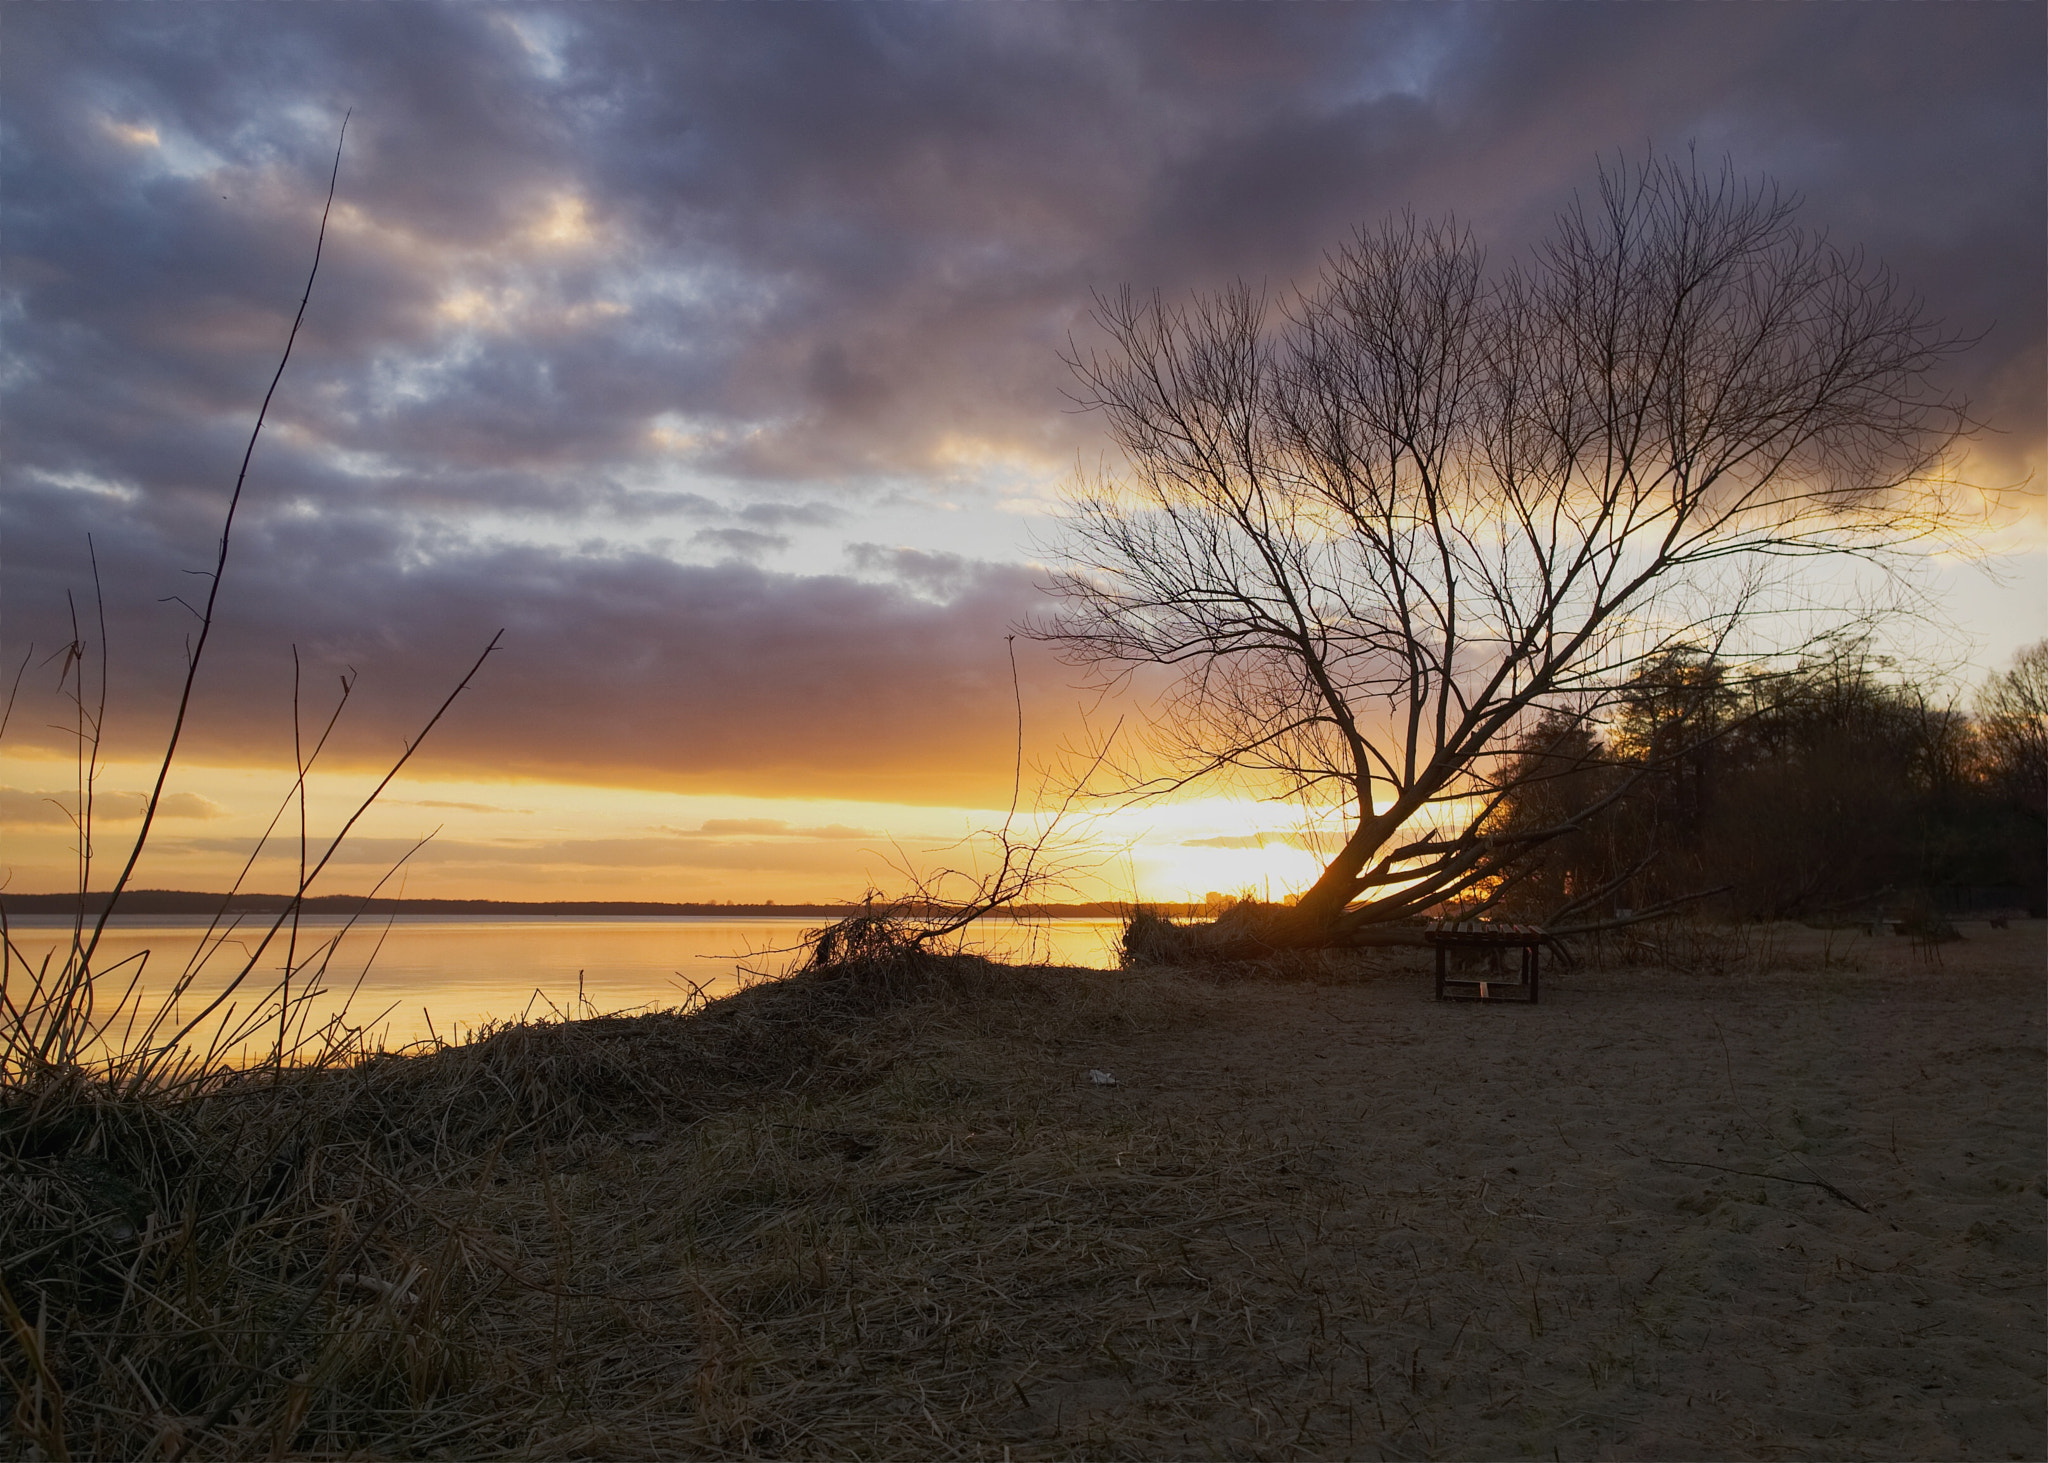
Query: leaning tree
[[1381, 529]]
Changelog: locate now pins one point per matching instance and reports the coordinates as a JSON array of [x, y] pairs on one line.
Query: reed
[[470, 1248], [244, 1232], [161, 1248]]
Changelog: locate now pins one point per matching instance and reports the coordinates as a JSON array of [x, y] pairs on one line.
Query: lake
[[409, 977]]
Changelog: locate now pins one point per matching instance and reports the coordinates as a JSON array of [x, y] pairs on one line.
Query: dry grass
[[687, 1230], [1241, 943], [879, 1211]]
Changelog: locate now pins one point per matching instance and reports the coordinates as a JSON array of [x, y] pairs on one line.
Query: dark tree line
[[1832, 789]]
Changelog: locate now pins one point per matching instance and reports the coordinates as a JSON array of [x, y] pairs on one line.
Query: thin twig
[[1751, 1173], [219, 568]]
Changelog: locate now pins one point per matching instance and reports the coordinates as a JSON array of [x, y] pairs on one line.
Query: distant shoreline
[[188, 902]]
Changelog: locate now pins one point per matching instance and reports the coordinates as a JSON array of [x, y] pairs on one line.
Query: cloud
[[364, 859], [792, 515], [759, 826], [778, 828], [742, 543], [606, 281], [23, 809], [824, 247], [630, 668], [935, 575], [186, 805]]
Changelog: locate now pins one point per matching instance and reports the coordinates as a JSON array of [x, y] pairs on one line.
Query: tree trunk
[[1327, 898]]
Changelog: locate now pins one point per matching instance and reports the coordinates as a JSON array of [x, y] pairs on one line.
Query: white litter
[[1100, 1078]]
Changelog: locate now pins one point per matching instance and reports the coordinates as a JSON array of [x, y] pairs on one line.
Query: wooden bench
[[1493, 941]]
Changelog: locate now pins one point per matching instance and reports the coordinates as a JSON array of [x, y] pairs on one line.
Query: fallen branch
[[1641, 916]]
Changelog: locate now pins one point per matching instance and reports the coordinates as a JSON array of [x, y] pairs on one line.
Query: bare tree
[[1383, 526], [2013, 711]]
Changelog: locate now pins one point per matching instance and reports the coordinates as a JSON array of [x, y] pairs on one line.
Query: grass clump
[[382, 1255], [1241, 933], [1240, 944]]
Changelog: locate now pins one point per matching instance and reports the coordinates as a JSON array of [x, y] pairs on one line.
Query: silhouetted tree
[[1833, 787], [1382, 528], [1831, 782], [2013, 712], [1562, 775]]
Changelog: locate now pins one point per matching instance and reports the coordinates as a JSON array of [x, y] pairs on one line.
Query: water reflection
[[419, 975]]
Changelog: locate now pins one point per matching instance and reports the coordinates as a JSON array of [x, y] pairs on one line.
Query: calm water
[[407, 977]]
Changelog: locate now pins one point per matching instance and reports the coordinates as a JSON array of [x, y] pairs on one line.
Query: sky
[[714, 354]]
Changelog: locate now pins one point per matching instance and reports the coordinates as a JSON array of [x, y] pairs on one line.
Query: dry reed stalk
[[761, 1222]]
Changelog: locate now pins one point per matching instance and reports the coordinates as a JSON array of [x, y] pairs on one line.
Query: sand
[[1749, 1203], [1787, 1215]]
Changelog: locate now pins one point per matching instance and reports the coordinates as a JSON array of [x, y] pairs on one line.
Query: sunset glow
[[890, 730], [717, 359], [535, 840]]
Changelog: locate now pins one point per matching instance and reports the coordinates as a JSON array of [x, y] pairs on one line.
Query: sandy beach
[[1770, 1198], [1788, 1214]]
